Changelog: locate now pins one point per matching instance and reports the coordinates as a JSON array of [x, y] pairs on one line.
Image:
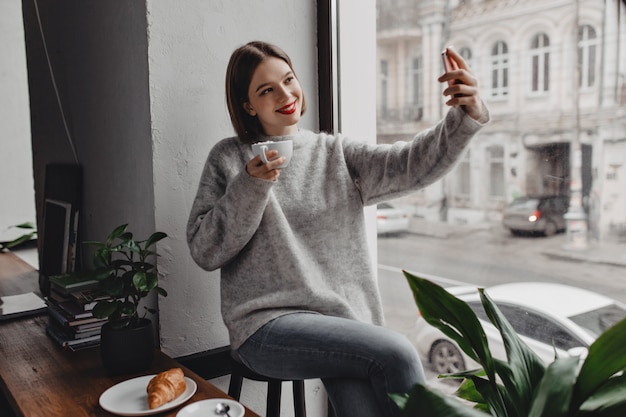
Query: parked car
[[391, 219], [546, 316], [544, 214]]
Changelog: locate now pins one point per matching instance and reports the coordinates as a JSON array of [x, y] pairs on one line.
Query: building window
[[384, 89], [500, 69], [463, 174], [416, 76], [587, 51], [495, 163], [540, 63]]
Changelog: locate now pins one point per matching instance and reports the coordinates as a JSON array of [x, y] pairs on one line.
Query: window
[[463, 176], [587, 50], [540, 63], [495, 162], [384, 89], [543, 138], [416, 75], [499, 69]]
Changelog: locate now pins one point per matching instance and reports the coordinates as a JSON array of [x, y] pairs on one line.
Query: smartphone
[[448, 64]]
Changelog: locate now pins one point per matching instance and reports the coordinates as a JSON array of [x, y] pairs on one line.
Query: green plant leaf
[[117, 232], [26, 225], [553, 394], [609, 400], [459, 322], [524, 369], [424, 402], [140, 281], [104, 309], [606, 357], [114, 286], [453, 317], [467, 391], [128, 308], [152, 280], [154, 238], [400, 400], [18, 241]]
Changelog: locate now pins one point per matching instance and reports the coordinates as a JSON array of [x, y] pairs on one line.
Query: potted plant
[[126, 271], [26, 237], [522, 386]]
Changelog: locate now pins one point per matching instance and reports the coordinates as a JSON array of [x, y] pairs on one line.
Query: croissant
[[165, 387]]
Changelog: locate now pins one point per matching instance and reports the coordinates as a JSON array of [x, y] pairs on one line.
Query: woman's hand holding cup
[[269, 158]]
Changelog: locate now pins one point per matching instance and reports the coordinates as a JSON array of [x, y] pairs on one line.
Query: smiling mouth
[[288, 109]]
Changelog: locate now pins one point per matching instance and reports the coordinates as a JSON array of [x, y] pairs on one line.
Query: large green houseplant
[[126, 270], [522, 386]]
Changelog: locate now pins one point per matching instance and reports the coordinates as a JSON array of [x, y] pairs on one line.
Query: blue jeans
[[358, 363]]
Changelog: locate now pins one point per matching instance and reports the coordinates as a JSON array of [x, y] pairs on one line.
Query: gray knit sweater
[[299, 243]]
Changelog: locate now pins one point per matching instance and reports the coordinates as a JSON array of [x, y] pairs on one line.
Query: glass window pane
[[483, 224]]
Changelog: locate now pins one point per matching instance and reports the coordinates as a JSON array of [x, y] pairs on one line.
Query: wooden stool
[[274, 387]]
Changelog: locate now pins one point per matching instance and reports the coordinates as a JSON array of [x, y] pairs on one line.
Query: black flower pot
[[125, 351]]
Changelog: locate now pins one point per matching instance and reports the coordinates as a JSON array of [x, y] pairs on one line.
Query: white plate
[[130, 398], [206, 408]]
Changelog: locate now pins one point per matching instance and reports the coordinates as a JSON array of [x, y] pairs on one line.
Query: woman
[[299, 295]]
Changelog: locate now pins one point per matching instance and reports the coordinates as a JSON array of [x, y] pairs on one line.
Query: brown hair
[[243, 62]]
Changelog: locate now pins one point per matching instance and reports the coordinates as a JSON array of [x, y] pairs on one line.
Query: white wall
[[189, 48], [17, 194], [190, 43]]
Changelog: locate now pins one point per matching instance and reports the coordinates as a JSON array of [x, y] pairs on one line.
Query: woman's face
[[275, 97]]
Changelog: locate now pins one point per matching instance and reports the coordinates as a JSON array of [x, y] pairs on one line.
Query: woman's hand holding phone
[[462, 85]]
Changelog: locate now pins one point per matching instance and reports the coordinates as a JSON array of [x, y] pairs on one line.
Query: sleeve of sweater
[[383, 172], [226, 211]]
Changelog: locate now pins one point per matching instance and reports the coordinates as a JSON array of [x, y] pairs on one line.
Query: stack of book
[[70, 306]]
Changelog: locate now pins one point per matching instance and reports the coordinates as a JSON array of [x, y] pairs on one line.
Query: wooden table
[[41, 379]]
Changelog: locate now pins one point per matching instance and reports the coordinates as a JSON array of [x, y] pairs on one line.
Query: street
[[481, 258]]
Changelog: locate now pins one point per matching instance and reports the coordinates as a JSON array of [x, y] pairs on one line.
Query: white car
[[544, 315], [390, 219]]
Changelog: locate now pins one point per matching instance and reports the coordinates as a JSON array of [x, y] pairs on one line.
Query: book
[[29, 303], [65, 339], [88, 299], [64, 284], [74, 310], [63, 318]]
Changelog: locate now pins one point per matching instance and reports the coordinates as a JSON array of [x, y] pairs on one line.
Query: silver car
[[546, 316], [544, 214]]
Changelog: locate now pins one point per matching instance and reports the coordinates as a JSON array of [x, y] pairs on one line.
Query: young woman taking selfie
[[298, 289]]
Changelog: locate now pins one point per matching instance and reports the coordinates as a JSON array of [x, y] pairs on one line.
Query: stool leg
[[234, 387], [273, 398], [298, 399]]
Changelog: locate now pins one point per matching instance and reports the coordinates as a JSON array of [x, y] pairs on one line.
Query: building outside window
[[463, 177], [540, 63], [384, 89], [416, 75], [544, 135], [587, 50], [500, 69], [495, 162]]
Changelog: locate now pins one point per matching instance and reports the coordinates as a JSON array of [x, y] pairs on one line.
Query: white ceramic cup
[[284, 148]]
